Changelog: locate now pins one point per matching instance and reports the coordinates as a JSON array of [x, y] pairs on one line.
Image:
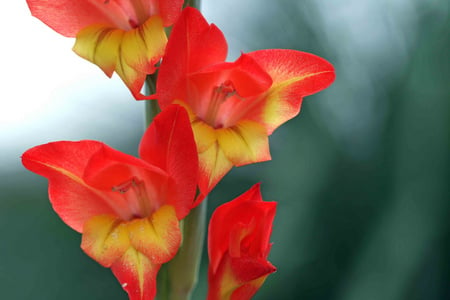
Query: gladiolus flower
[[238, 246], [125, 36], [233, 106], [127, 209]]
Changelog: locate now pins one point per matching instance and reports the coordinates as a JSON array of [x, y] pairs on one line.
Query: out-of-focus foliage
[[361, 176]]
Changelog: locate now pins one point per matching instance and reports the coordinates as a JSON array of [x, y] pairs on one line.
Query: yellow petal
[[131, 54], [213, 166], [204, 134], [134, 249], [220, 149], [280, 104], [157, 237], [100, 45], [143, 46], [105, 239], [246, 142]]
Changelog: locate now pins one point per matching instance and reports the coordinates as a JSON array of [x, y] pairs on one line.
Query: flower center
[[135, 194], [132, 12], [219, 95], [141, 15]]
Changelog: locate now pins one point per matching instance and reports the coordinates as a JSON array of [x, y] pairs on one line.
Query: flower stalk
[[178, 278], [151, 106], [192, 3]]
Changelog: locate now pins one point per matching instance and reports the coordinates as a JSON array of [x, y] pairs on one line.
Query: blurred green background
[[361, 175]]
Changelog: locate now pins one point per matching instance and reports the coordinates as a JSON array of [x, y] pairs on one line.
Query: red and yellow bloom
[[233, 106], [127, 209], [238, 246], [125, 36]]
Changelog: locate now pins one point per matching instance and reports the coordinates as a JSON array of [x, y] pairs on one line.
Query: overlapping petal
[[233, 107], [134, 249], [221, 149], [169, 144], [238, 246], [131, 54], [194, 44]]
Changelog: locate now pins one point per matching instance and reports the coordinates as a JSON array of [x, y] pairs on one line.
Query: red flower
[[125, 36], [233, 106], [238, 246], [127, 209]]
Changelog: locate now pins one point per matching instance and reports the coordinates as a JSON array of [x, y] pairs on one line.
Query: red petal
[[295, 75], [67, 17], [247, 76], [113, 171], [238, 278], [63, 164], [170, 10], [137, 275], [244, 76], [249, 289], [109, 167], [246, 269], [247, 209], [169, 144], [193, 44]]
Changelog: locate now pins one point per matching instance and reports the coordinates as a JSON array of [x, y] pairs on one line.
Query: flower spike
[[127, 209], [233, 106]]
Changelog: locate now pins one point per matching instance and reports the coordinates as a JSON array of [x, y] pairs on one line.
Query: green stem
[[162, 283], [192, 3], [183, 269], [151, 106], [178, 278]]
